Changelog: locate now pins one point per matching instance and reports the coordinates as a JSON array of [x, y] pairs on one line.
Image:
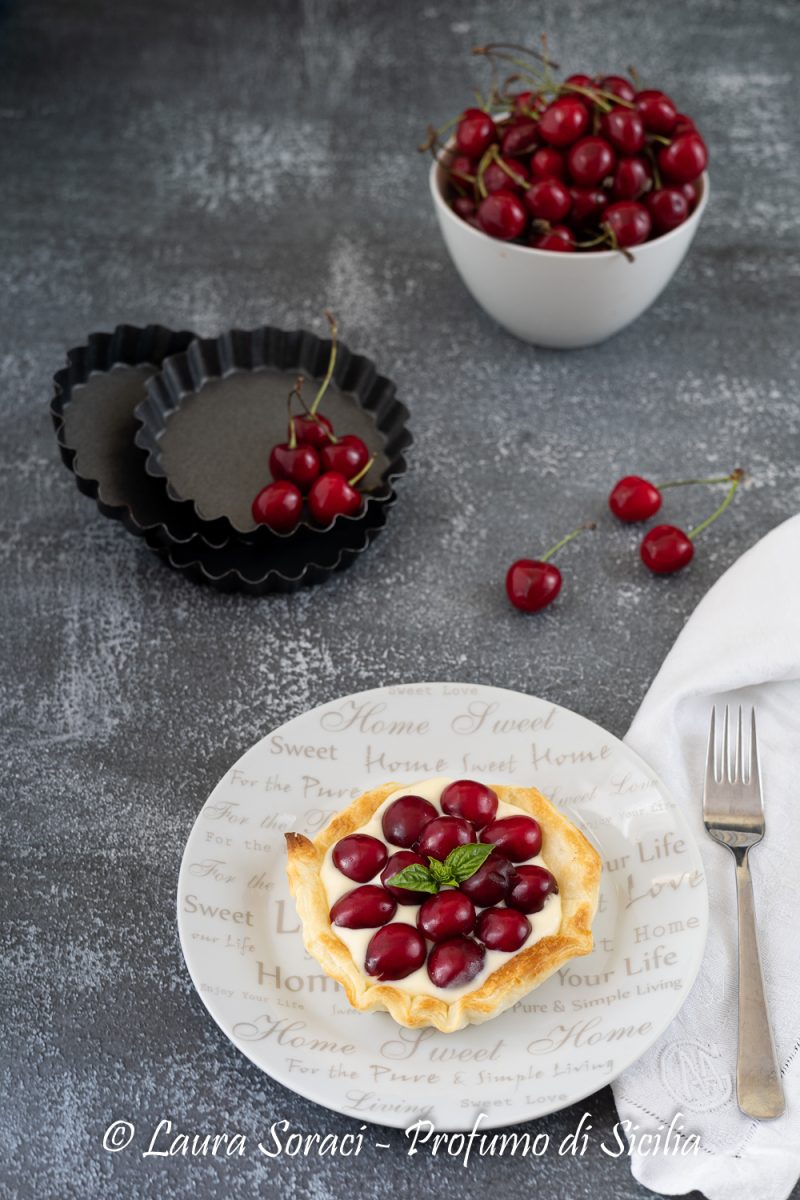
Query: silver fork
[[733, 812]]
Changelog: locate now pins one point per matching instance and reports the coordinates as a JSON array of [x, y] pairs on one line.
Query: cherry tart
[[444, 902]]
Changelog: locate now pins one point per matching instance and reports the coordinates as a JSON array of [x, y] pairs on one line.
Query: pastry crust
[[574, 862]]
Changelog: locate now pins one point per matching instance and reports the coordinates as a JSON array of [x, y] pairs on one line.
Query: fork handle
[[758, 1081]]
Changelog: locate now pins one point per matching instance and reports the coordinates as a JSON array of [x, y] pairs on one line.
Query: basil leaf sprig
[[460, 864]]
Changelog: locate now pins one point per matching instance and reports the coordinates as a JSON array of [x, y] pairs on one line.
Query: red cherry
[[531, 585], [564, 121], [395, 951], [634, 499], [590, 160], [359, 856], [465, 207], [502, 215], [683, 124], [624, 128], [446, 915], [475, 133], [548, 200], [684, 159], [331, 496], [529, 102], [657, 111], [495, 179], [405, 818], [347, 455], [443, 835], [559, 238], [692, 193], [312, 431], [456, 962], [617, 85], [533, 886], [474, 802], [363, 908], [547, 163], [630, 178], [668, 207], [588, 205], [462, 166], [278, 505], [520, 138], [519, 838], [502, 929], [492, 881], [298, 464], [581, 81], [630, 222], [397, 863], [665, 549]]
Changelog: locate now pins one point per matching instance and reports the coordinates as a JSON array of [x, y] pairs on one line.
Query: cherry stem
[[357, 478], [564, 540], [297, 390], [331, 319], [518, 179], [686, 482], [490, 47], [736, 478]]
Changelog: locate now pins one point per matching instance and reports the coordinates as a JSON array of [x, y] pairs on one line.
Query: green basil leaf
[[464, 861], [416, 878], [438, 870]]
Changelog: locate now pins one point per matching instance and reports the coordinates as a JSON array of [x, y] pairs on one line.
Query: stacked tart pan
[[170, 434]]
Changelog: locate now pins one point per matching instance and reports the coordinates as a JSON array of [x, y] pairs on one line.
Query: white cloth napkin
[[742, 646]]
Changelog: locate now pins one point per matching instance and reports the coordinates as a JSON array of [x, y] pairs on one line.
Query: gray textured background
[[213, 165]]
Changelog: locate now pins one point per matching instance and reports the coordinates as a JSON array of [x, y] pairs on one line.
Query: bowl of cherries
[[567, 205]]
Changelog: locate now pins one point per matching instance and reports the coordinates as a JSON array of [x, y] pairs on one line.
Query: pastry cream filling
[[543, 924]]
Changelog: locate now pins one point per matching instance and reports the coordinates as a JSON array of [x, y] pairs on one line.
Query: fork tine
[[739, 751], [754, 778], [711, 753], [725, 773]]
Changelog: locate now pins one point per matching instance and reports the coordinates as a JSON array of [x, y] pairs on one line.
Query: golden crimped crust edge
[[572, 859]]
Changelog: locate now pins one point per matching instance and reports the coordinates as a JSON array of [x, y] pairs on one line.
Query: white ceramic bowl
[[555, 299]]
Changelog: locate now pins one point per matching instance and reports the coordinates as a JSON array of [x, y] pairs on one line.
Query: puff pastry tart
[[445, 902]]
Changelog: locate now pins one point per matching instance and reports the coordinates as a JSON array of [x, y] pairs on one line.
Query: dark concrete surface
[[218, 165]]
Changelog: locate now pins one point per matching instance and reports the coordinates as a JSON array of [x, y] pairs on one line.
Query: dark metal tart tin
[[92, 409], [213, 413]]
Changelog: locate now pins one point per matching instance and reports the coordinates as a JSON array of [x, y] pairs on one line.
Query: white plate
[[578, 1031]]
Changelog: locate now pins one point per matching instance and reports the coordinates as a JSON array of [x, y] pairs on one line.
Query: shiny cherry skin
[[534, 885], [475, 132], [455, 962], [548, 163], [630, 178], [692, 193], [532, 585], [518, 837], [502, 929], [560, 238], [298, 464], [617, 85], [405, 819], [470, 800], [492, 881], [656, 110], [495, 179], [279, 506], [347, 455], [630, 222], [465, 206], [395, 951], [624, 129], [633, 498], [502, 215], [363, 908], [548, 200], [683, 124], [446, 915], [668, 207], [588, 205], [312, 431], [359, 856], [590, 160], [443, 835], [563, 121], [684, 159], [520, 138], [397, 863], [462, 166], [332, 495], [665, 549]]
